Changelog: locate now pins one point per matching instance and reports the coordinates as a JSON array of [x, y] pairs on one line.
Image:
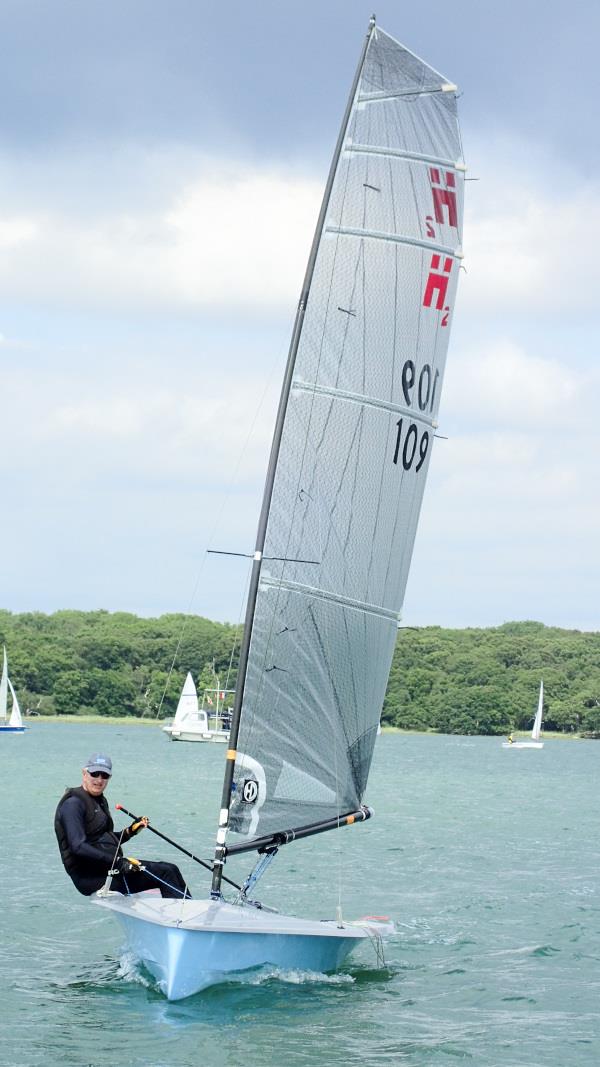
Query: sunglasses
[[99, 774]]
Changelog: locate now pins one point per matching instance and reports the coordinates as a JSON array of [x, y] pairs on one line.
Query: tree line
[[472, 681]]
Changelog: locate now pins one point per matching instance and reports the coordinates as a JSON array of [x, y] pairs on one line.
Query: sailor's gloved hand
[[139, 824], [128, 865]]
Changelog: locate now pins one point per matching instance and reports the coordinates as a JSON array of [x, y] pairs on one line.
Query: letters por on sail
[[355, 447]]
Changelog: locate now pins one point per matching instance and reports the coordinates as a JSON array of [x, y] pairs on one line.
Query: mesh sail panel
[[355, 450]]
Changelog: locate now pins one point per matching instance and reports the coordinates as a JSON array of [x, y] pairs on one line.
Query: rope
[[377, 943], [168, 884]]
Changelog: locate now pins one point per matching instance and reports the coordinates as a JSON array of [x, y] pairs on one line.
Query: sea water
[[486, 859]]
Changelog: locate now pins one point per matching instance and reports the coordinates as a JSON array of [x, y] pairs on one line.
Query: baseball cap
[[98, 762]]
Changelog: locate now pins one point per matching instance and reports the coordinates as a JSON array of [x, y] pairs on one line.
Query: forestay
[[355, 447]]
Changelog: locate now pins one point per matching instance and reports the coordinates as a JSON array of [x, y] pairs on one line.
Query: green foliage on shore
[[487, 681], [98, 663], [450, 681]]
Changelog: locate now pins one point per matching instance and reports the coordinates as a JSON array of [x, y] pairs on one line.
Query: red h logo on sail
[[444, 196], [437, 282]]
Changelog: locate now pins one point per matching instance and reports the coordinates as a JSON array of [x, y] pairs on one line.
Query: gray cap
[[98, 762]]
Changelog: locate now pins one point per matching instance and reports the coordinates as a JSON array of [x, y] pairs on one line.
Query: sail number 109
[[409, 449]]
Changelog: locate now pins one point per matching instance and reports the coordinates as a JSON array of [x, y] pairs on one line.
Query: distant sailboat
[[353, 438], [192, 722], [537, 728], [14, 725]]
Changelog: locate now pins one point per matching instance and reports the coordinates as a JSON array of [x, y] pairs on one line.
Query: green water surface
[[486, 859]]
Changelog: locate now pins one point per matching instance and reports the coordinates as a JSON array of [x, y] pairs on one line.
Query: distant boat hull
[[190, 945], [185, 732], [12, 729], [522, 744]]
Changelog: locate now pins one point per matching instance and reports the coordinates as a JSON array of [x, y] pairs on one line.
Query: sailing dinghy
[[14, 724], [536, 741], [351, 449], [192, 722]]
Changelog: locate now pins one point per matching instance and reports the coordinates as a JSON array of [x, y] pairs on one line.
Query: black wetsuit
[[89, 847]]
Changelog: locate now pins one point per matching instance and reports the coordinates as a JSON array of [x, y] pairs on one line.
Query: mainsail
[[188, 702], [351, 452], [4, 688], [537, 722], [16, 721]]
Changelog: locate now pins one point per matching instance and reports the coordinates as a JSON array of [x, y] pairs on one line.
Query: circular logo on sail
[[250, 790]]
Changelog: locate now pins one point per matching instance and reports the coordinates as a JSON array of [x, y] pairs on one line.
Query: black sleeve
[[72, 814]]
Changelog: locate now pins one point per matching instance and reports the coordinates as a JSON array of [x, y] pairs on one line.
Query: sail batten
[[326, 594], [383, 98], [352, 447], [357, 398], [399, 238], [398, 153]]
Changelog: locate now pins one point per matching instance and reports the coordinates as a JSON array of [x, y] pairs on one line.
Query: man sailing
[[90, 848]]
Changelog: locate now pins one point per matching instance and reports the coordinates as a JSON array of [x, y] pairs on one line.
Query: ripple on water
[[545, 950], [487, 965]]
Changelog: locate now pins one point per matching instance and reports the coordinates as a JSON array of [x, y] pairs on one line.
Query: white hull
[[189, 945], [522, 744], [190, 732]]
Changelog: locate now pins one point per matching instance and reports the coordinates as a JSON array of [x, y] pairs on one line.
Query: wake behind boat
[[350, 454], [535, 742], [14, 725]]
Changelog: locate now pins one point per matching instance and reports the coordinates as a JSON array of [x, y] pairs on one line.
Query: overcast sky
[[161, 169]]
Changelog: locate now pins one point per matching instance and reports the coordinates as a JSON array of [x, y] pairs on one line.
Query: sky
[[161, 169]]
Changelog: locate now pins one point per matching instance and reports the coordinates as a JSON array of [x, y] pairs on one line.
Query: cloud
[[15, 231], [179, 231], [223, 237], [531, 234], [503, 384], [137, 430], [99, 427], [243, 238]]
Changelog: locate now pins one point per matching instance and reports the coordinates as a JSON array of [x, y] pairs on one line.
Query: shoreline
[[131, 720]]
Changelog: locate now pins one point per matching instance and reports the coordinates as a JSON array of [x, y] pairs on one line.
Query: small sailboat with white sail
[[14, 724], [351, 449], [535, 741], [208, 722]]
